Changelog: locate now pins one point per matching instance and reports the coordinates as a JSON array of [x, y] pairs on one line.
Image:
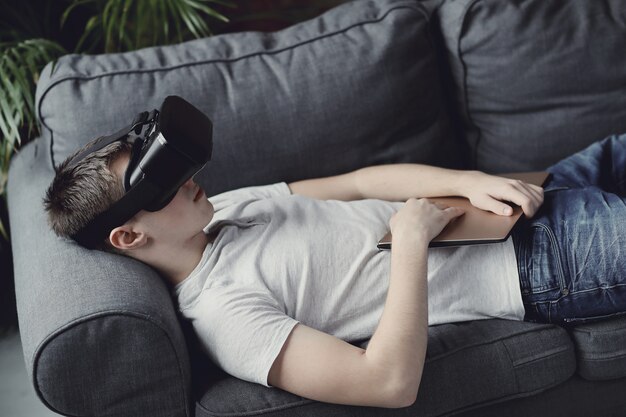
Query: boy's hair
[[77, 195]]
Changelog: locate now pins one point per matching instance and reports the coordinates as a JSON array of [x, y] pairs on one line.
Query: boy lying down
[[278, 279]]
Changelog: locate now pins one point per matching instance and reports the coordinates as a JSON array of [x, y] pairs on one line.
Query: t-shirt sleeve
[[241, 195], [242, 330]]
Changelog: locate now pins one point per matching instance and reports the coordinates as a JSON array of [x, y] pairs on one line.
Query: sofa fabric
[[601, 349], [578, 397], [357, 86], [535, 80], [99, 332]]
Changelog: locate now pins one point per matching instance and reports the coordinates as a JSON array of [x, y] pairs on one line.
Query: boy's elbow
[[405, 398], [403, 395]]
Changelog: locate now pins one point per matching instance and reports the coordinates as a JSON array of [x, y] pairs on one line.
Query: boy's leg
[[601, 164], [570, 256]]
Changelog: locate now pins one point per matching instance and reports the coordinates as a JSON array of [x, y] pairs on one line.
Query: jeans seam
[[608, 287], [534, 303], [550, 313], [522, 269], [544, 291], [577, 292]]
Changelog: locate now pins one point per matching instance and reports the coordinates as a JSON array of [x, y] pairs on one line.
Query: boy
[[278, 278]]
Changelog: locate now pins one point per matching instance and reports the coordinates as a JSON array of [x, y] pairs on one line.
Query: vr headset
[[169, 146]]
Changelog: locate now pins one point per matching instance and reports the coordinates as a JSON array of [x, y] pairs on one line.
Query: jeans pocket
[[545, 272]]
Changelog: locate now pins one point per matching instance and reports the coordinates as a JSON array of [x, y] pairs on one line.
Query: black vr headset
[[169, 146]]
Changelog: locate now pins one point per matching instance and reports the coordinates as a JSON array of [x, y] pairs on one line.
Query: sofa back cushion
[[535, 80], [355, 86]]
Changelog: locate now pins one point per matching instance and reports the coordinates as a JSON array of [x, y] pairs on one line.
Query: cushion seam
[[508, 355], [545, 327], [604, 359], [587, 331], [554, 352], [474, 156], [298, 403]]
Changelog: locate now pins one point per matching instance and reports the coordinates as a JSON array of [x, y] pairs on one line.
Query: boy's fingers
[[538, 194], [537, 200], [527, 206], [496, 206], [454, 211]]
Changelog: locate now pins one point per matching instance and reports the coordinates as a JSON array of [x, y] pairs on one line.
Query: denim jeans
[[571, 254]]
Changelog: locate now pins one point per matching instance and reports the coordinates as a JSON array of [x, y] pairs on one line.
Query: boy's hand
[[421, 220], [488, 191]]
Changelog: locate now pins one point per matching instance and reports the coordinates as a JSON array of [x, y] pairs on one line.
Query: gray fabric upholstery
[[535, 80], [357, 86], [601, 349], [577, 397], [99, 331]]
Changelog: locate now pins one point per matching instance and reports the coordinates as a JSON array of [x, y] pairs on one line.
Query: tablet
[[477, 226]]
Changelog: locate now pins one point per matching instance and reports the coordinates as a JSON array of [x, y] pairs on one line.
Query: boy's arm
[[399, 182], [387, 374], [395, 182]]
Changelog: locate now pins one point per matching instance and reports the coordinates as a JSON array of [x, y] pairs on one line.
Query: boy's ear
[[126, 237]]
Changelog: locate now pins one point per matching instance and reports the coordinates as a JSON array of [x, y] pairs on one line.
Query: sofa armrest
[[99, 331]]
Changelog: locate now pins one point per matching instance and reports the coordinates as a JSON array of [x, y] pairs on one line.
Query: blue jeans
[[571, 255]]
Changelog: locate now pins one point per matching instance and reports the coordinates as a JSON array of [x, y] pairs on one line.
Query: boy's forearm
[[399, 182], [399, 342]]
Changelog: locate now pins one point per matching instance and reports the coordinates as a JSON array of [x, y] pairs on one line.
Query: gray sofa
[[495, 85]]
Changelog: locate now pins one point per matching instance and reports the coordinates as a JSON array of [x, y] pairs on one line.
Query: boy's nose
[[189, 183]]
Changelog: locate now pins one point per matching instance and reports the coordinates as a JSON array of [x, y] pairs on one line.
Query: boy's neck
[[180, 261]]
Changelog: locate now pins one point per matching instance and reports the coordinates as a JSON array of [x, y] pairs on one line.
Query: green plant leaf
[[172, 8], [20, 65], [192, 22], [11, 120], [4, 128], [107, 22], [207, 10], [93, 23], [67, 11], [223, 3], [123, 20], [21, 93]]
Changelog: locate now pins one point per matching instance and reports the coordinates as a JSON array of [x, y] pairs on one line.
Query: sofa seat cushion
[[601, 349], [354, 87], [467, 364], [535, 80]]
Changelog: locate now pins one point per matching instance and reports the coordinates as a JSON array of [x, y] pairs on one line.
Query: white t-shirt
[[279, 259]]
